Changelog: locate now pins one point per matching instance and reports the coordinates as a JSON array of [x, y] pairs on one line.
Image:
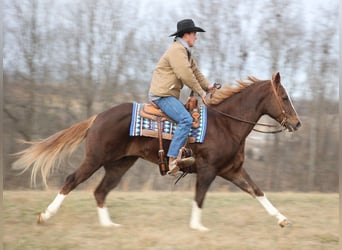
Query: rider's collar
[[184, 43]]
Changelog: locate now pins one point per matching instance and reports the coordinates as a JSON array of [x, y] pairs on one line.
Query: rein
[[249, 122], [256, 123]]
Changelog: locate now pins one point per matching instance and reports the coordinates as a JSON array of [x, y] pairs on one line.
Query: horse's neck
[[245, 106]]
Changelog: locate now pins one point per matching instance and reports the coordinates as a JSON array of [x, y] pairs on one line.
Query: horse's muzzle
[[292, 126]]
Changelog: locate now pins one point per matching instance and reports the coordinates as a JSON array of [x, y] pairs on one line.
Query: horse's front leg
[[282, 220], [205, 176], [241, 179]]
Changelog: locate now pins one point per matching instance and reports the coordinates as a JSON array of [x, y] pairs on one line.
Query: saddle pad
[[140, 124]]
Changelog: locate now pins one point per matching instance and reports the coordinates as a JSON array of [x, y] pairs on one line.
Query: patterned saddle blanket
[[143, 126]]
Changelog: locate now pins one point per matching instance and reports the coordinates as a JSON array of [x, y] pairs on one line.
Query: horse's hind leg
[[241, 179], [113, 175], [86, 169]]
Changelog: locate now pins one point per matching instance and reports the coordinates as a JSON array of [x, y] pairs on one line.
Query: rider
[[174, 69]]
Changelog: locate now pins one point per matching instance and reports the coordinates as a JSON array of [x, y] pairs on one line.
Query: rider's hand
[[211, 87], [203, 96]]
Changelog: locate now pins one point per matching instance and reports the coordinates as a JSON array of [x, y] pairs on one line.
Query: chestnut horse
[[232, 114]]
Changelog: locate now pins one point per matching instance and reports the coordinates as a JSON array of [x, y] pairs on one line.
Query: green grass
[[159, 220]]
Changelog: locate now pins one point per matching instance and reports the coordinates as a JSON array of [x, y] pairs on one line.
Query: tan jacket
[[173, 70]]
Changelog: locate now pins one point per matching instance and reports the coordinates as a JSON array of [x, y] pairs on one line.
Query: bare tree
[[21, 100]]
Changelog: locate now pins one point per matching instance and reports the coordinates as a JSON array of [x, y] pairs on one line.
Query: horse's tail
[[47, 154]]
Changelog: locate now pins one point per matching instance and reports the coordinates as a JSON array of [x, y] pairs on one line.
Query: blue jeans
[[175, 109]]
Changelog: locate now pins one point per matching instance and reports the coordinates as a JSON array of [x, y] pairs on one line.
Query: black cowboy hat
[[186, 26]]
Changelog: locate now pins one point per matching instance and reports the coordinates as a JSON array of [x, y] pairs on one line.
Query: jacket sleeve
[[199, 76], [181, 66]]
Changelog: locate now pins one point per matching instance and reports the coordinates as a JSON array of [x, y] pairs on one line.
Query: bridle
[[283, 113]]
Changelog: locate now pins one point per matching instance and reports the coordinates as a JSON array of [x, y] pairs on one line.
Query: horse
[[232, 114]]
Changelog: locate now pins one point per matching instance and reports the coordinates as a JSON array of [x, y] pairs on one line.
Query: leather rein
[[218, 86]]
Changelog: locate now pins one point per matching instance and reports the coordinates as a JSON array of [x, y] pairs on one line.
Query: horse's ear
[[276, 78]]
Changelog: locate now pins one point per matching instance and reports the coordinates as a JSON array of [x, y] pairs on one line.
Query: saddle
[[152, 112]]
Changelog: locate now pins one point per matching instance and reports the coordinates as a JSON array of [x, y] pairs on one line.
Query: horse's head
[[281, 108]]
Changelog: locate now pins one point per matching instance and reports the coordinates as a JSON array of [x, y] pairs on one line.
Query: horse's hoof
[[40, 219], [203, 229], [112, 224], [200, 228], [284, 223]]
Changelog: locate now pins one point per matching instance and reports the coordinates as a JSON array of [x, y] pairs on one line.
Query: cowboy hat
[[186, 26]]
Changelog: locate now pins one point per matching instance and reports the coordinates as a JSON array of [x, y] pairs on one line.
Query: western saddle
[[152, 112]]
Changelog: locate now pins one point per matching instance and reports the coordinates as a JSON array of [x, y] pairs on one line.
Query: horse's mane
[[228, 91]]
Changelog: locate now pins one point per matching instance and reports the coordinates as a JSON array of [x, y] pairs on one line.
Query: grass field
[[159, 220]]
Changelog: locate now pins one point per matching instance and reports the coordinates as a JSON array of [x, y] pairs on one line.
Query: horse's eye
[[285, 98]]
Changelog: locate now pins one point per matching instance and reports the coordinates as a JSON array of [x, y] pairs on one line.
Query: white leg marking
[[104, 218], [53, 207], [195, 220], [271, 209]]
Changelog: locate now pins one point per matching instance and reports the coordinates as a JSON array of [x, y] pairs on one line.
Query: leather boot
[[173, 168], [184, 162]]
